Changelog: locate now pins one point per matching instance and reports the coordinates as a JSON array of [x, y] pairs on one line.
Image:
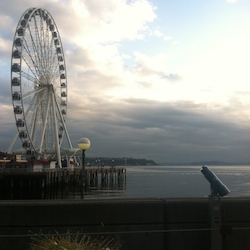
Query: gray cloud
[[5, 93], [172, 77], [145, 70], [162, 131]]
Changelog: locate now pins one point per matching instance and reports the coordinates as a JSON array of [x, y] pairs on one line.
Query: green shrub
[[72, 242]]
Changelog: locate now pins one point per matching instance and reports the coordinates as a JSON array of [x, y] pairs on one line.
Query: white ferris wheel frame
[[39, 85]]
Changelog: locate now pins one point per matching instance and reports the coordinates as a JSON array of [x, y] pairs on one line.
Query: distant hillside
[[202, 163], [212, 163], [110, 161]]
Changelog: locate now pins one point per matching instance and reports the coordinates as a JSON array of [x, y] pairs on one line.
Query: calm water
[[178, 181]]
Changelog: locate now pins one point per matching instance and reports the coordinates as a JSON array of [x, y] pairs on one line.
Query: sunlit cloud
[[232, 1], [162, 35], [106, 22]]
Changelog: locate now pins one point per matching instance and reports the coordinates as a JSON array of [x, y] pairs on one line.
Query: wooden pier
[[20, 183]]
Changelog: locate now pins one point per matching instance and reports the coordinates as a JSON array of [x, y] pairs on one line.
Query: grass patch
[[73, 242]]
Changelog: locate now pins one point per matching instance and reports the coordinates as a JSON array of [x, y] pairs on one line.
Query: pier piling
[[48, 183]]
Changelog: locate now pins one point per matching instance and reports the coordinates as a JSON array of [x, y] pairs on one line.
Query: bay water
[[177, 182]]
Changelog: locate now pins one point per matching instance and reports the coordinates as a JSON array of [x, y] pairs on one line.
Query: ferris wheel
[[39, 85]]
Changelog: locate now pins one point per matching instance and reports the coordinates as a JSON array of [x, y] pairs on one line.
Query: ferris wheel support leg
[[67, 135], [44, 127], [64, 125], [12, 143], [56, 134], [34, 119]]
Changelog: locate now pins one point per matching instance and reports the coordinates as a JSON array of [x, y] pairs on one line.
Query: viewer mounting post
[[218, 189]]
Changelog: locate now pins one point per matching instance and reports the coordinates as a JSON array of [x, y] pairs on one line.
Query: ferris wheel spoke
[[34, 114], [29, 61], [33, 92], [49, 50], [43, 41], [34, 54], [52, 63], [45, 38], [29, 106], [47, 43], [42, 37], [54, 79], [28, 77], [38, 38]]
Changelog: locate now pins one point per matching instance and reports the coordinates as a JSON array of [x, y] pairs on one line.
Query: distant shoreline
[[202, 163]]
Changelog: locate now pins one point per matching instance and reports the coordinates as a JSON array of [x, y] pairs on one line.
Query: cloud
[[165, 132], [232, 1], [104, 21], [172, 77], [134, 102], [158, 33], [91, 33], [152, 69], [181, 131], [4, 49]]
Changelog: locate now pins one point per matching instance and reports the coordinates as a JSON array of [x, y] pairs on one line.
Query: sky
[[161, 79]]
